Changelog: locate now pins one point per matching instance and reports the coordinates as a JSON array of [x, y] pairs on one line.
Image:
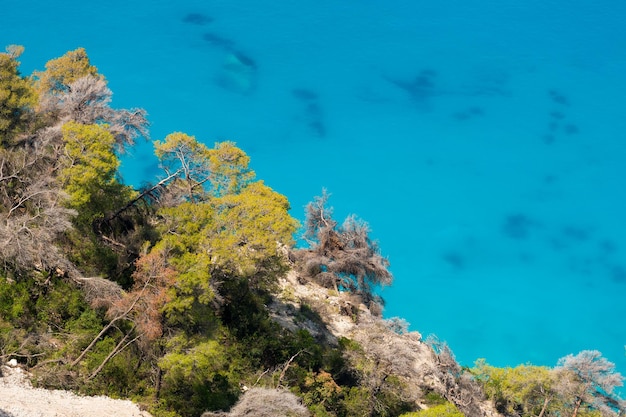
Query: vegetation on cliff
[[188, 295]]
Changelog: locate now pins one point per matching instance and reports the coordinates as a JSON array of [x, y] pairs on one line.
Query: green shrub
[[198, 378], [442, 410]]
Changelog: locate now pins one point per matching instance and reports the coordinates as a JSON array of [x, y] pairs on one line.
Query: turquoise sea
[[484, 142]]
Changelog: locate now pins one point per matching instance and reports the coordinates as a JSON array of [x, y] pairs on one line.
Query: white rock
[[12, 363]]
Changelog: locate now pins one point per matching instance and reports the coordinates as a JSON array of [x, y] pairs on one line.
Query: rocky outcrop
[[422, 366]]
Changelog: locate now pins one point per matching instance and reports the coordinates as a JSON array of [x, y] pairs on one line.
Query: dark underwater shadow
[[199, 19], [518, 226], [313, 112], [218, 41], [421, 88]]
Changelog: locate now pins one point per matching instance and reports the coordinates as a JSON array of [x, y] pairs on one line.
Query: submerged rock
[[238, 73]]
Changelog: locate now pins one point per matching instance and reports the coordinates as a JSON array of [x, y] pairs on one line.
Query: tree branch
[[141, 196]]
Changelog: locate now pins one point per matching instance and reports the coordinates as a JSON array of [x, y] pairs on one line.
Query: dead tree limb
[[141, 196]]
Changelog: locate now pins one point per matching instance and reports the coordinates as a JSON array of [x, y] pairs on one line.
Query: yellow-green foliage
[[229, 169], [199, 170], [183, 229], [358, 401], [235, 234], [17, 95], [249, 226], [321, 389], [528, 390], [187, 160], [180, 150], [442, 410], [184, 225], [89, 176], [205, 357], [63, 71], [524, 386], [198, 378]]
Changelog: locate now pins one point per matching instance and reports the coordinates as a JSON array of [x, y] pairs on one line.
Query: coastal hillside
[[189, 297], [388, 350]]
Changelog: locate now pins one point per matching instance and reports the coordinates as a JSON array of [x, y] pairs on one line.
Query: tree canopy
[[581, 385], [90, 170], [17, 96], [61, 72]]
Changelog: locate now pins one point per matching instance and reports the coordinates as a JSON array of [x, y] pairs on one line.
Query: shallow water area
[[483, 143]]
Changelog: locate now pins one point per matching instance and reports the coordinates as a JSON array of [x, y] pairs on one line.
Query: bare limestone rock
[[419, 365], [19, 399]]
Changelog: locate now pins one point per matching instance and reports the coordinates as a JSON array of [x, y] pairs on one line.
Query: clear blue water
[[484, 142]]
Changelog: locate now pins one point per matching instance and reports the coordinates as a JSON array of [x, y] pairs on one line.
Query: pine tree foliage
[[581, 385], [195, 172], [250, 227], [63, 71], [229, 169], [442, 410], [186, 161], [17, 96], [90, 168]]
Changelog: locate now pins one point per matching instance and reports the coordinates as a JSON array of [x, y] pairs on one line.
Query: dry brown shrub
[[100, 292]]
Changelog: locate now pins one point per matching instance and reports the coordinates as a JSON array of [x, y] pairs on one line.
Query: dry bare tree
[[592, 381], [455, 384], [32, 213], [87, 100], [343, 257], [319, 216], [385, 363], [141, 306], [71, 89]]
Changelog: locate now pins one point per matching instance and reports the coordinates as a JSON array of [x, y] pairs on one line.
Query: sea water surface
[[484, 142]]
